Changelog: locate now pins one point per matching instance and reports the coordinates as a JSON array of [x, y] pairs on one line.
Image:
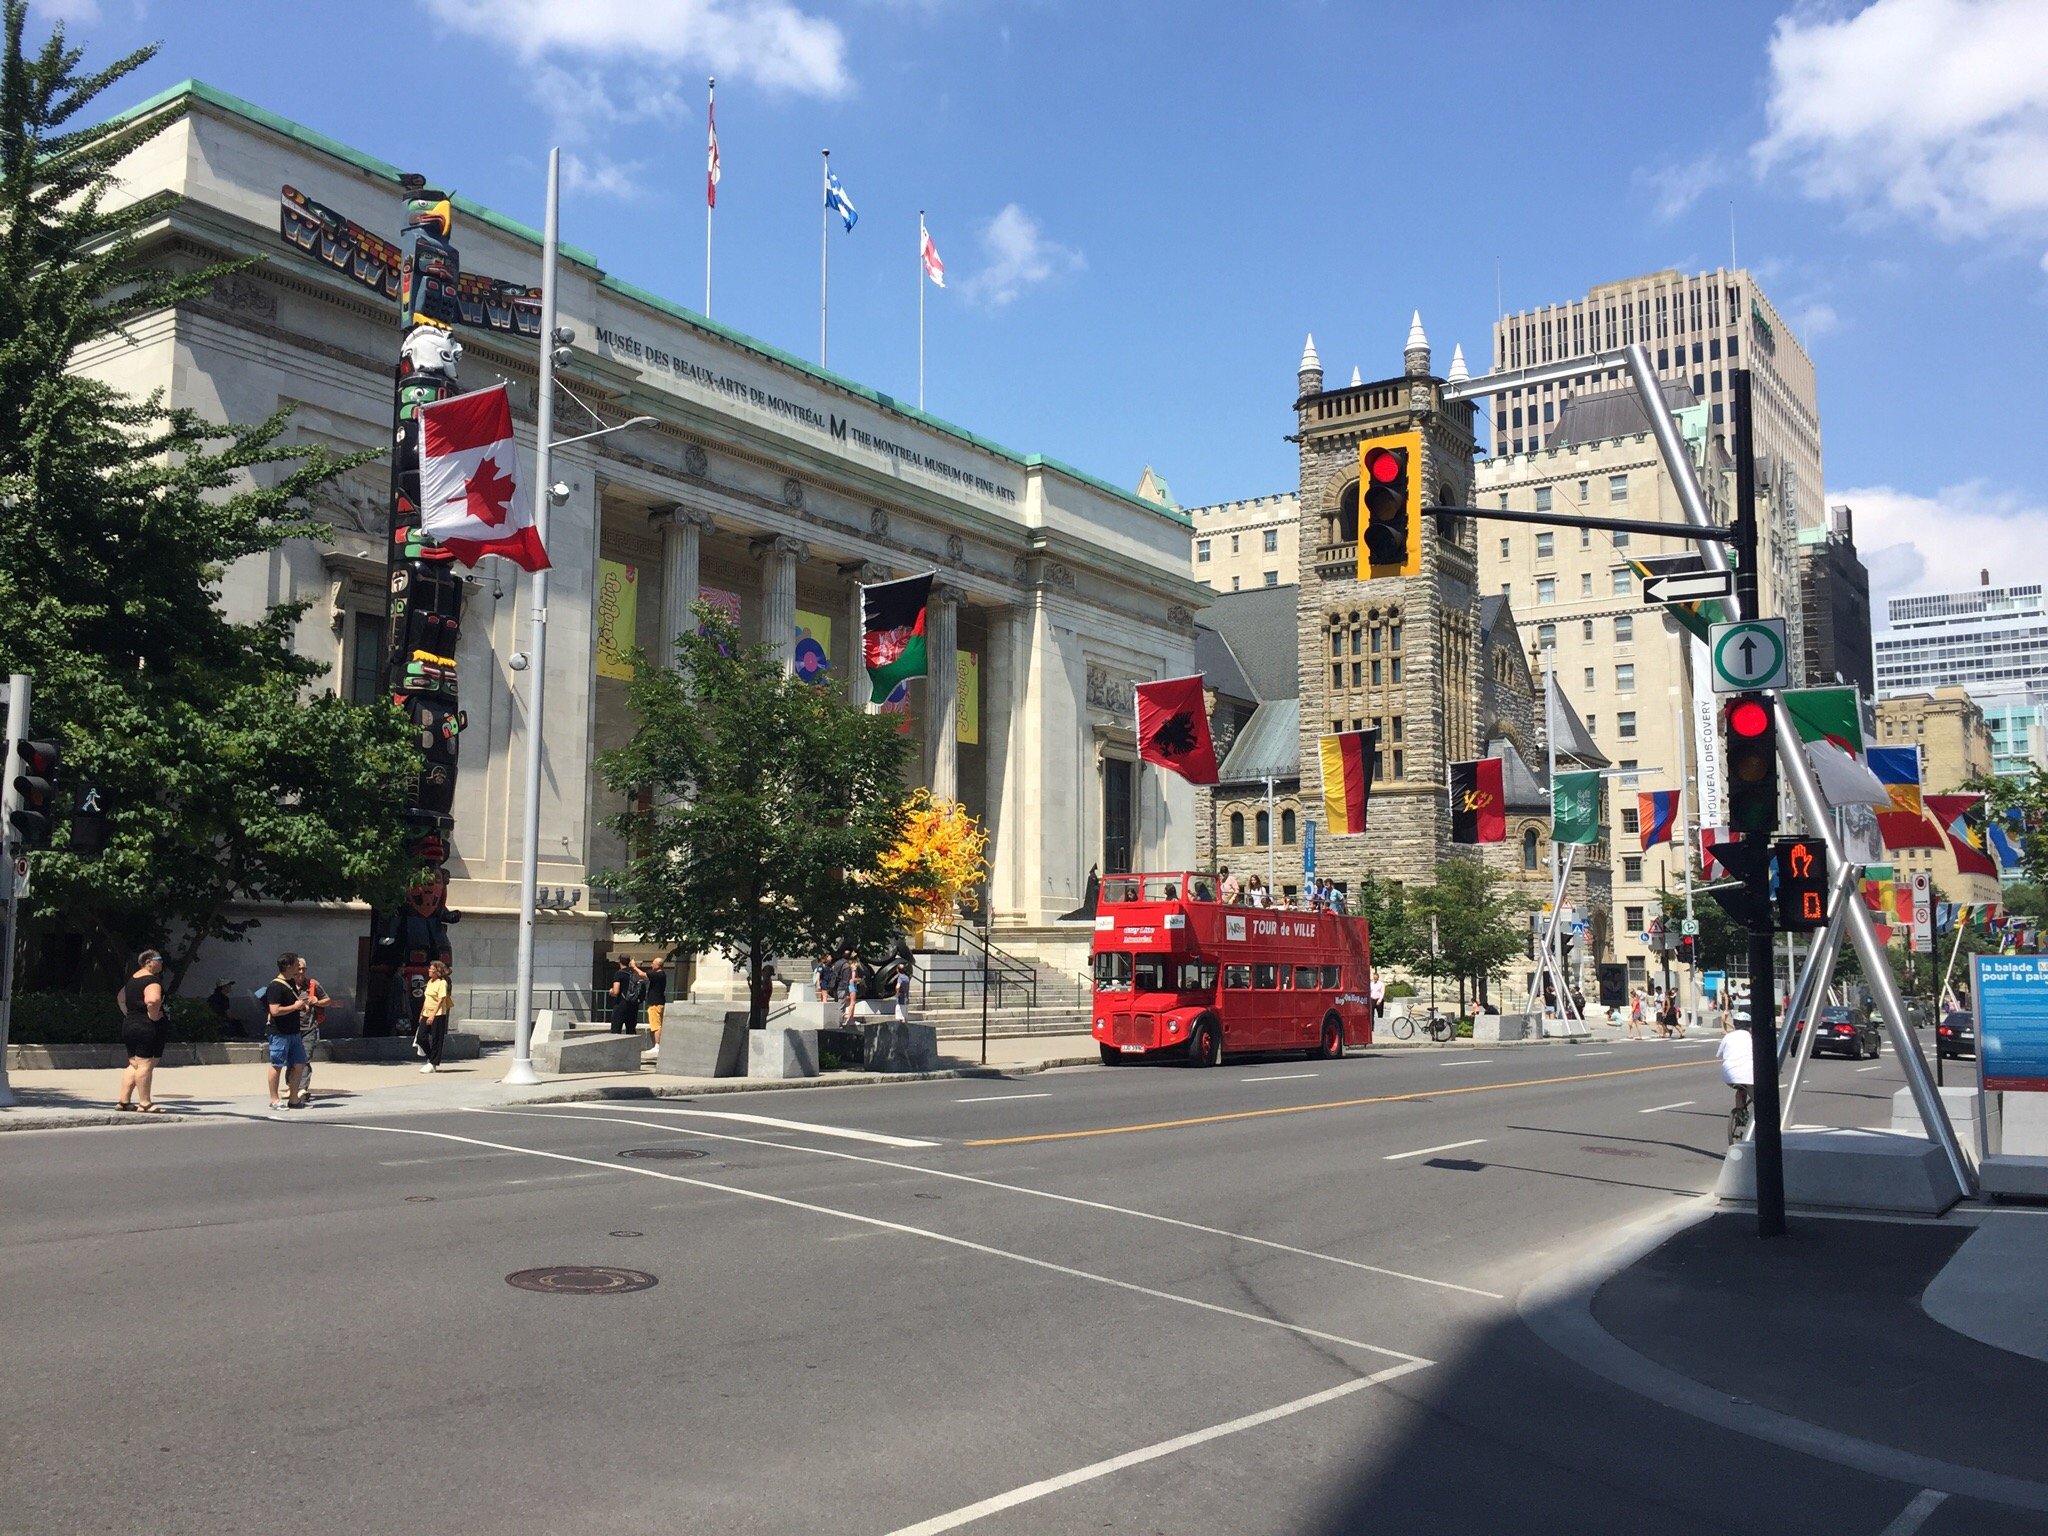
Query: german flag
[[1347, 780]]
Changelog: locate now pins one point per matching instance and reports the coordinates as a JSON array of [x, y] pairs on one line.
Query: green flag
[[1830, 724], [1575, 808]]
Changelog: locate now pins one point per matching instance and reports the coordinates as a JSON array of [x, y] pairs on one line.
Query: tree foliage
[[1390, 921], [2028, 793], [773, 806], [940, 858], [229, 780], [1482, 923]]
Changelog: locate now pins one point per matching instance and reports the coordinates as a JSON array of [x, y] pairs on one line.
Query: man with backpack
[[629, 986]]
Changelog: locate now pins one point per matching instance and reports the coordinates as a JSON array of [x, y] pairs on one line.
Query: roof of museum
[[1258, 624], [188, 91], [1269, 746], [1217, 662]]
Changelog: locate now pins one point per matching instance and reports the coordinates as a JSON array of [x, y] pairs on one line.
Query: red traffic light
[[1384, 464], [1748, 718]]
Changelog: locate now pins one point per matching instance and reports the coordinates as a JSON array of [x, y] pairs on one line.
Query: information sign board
[[2012, 1022]]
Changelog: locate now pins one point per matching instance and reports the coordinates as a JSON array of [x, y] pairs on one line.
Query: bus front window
[[1112, 971], [1153, 972]]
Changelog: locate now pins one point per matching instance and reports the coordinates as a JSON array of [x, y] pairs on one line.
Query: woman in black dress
[[142, 1031]]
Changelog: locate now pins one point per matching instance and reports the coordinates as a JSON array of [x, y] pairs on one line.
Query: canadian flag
[[471, 500], [928, 254]]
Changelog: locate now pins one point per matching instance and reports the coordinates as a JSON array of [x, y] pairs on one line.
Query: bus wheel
[[1112, 1057], [1205, 1045], [1333, 1039]]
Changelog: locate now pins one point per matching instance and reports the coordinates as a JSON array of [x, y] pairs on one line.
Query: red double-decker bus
[[1179, 974]]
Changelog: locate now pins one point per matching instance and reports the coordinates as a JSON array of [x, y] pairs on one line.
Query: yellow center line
[[1302, 1109]]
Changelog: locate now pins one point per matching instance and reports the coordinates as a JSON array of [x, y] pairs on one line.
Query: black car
[[1956, 1034], [1845, 1032]]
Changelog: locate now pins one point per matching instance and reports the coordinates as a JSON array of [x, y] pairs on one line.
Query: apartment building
[[1241, 545], [1834, 606], [1992, 641]]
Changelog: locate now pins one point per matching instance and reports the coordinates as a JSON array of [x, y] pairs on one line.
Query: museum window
[[1357, 640], [1271, 540], [1631, 821], [1358, 673], [1585, 583], [1272, 578], [1638, 969], [1393, 637], [1336, 642], [1287, 826], [1376, 674], [1592, 725], [1589, 679], [1400, 764], [1620, 539], [1201, 551], [1542, 498], [1546, 634], [1264, 831], [1237, 829], [1632, 919], [1400, 726], [366, 658], [1236, 583], [1632, 868], [1625, 628], [1585, 538], [1504, 546], [1336, 674], [1341, 526], [1617, 487], [1394, 669], [1585, 629], [1233, 543], [1529, 849]]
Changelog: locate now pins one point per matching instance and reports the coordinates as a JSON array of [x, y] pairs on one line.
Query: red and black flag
[[1478, 809], [892, 632], [1173, 728]]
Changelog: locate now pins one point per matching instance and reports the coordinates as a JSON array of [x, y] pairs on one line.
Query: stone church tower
[[1398, 653]]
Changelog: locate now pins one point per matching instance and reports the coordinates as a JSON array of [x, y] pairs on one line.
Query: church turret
[[1415, 356]]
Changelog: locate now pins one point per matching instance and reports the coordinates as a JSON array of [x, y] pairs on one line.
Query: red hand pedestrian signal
[[1800, 871], [1802, 860]]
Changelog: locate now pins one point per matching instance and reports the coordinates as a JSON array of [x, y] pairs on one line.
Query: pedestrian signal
[[1800, 865], [1390, 506]]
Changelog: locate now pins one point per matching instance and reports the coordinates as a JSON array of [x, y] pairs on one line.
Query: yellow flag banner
[[618, 616], [970, 699]]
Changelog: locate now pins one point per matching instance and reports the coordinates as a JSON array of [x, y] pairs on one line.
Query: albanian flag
[[1478, 805], [1173, 728], [892, 632], [1347, 779]]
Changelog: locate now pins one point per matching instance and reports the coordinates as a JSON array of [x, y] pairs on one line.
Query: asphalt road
[[1275, 1297]]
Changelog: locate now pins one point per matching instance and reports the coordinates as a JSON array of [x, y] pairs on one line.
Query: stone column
[[942, 692], [780, 555], [682, 532], [861, 573], [1001, 702]]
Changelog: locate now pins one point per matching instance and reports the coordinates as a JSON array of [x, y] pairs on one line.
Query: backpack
[[633, 988]]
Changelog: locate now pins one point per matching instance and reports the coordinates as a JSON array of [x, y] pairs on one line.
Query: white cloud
[[1940, 543], [1018, 257], [68, 10], [1815, 319], [1675, 188], [1937, 109], [770, 42], [599, 176]]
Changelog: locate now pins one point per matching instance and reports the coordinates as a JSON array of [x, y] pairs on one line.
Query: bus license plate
[[1132, 1050]]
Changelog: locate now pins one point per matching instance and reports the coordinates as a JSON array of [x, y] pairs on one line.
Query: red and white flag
[[928, 253], [711, 154], [471, 499]]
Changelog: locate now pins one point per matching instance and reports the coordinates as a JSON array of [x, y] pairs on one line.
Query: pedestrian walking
[[316, 1015], [434, 1006], [1635, 1014], [855, 982], [657, 1000], [903, 994], [284, 1004], [1668, 1022], [628, 987], [1378, 991], [141, 1001]]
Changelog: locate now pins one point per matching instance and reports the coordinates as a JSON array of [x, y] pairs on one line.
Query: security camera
[[517, 661]]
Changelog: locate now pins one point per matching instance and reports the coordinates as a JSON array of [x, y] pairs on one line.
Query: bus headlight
[[1098, 1026]]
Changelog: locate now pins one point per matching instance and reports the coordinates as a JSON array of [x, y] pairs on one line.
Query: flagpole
[[521, 1071], [824, 244], [710, 196], [920, 309]]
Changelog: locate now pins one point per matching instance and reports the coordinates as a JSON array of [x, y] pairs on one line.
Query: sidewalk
[[53, 1099], [1914, 1349]]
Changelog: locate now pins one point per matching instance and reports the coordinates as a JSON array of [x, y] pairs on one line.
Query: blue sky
[[1143, 207]]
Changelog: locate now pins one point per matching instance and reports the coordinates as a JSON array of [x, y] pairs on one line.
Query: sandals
[[125, 1106], [149, 1109]]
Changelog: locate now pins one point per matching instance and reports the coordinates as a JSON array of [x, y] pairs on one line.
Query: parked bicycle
[[1439, 1027]]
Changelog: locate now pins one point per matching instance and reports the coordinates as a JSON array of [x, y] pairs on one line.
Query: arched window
[[1237, 829], [1287, 826], [1529, 848], [1342, 527], [1265, 829]]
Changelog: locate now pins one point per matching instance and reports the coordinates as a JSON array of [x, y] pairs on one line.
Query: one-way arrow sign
[[1693, 587]]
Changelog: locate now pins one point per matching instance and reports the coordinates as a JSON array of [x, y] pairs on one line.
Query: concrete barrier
[[1494, 1028], [892, 1045], [699, 1042], [592, 1050], [1850, 1169], [779, 1052]]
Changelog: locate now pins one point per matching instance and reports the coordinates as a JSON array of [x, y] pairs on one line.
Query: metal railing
[[496, 1002], [1011, 980]]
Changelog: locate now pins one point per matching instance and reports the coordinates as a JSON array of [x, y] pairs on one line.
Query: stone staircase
[[1024, 997]]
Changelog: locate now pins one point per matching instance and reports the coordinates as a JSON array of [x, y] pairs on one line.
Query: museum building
[[764, 485]]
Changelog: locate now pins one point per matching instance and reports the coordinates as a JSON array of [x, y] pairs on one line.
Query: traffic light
[[35, 789], [1390, 506], [1802, 881], [1752, 741]]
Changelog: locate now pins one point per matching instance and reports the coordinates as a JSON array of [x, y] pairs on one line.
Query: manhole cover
[[419, 1199], [581, 1280], [665, 1154], [1618, 1151], [625, 1233]]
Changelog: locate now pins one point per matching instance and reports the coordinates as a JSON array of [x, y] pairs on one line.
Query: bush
[[74, 1018], [1400, 989], [1464, 1029]]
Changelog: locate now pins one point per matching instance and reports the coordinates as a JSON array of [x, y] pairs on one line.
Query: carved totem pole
[[424, 613]]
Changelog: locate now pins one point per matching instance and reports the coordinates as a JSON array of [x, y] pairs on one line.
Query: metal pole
[[824, 247], [17, 732], [984, 978], [920, 309], [1272, 837], [1825, 951], [710, 195], [521, 1071]]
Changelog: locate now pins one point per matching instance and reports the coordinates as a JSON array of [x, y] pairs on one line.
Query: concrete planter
[[775, 1052], [699, 1043], [892, 1045], [1496, 1028]]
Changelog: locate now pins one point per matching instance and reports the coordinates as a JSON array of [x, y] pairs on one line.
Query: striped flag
[[1347, 779], [1905, 825], [711, 154], [1657, 816]]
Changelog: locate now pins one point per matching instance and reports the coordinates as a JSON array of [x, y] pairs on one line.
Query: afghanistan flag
[[1575, 808], [1347, 779], [892, 619], [1478, 806], [1173, 728]]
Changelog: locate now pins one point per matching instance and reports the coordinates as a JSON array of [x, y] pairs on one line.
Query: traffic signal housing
[[1801, 868], [1751, 732], [35, 789], [1390, 506]]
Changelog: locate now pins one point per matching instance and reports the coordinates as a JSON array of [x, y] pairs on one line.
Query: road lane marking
[[1660, 1108], [1002, 1098], [1282, 1077], [1449, 1146], [1302, 1109], [1868, 1069], [900, 1228], [1592, 1053], [1050, 1485], [1915, 1514], [598, 1112], [845, 1134], [1476, 1061]]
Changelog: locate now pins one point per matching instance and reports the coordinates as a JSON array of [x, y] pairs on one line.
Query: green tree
[[1390, 922], [773, 805], [1482, 924], [230, 780], [1722, 942]]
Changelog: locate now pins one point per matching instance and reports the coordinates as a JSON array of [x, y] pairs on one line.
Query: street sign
[[1689, 928], [1749, 655], [1695, 587], [1923, 912]]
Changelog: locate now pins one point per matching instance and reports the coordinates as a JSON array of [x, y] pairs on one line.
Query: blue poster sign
[[1308, 848], [2012, 1022]]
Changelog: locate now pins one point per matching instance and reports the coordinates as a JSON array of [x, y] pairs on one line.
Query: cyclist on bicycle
[[1738, 1061]]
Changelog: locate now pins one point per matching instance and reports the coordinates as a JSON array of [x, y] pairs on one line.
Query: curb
[[84, 1118], [1558, 1308]]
